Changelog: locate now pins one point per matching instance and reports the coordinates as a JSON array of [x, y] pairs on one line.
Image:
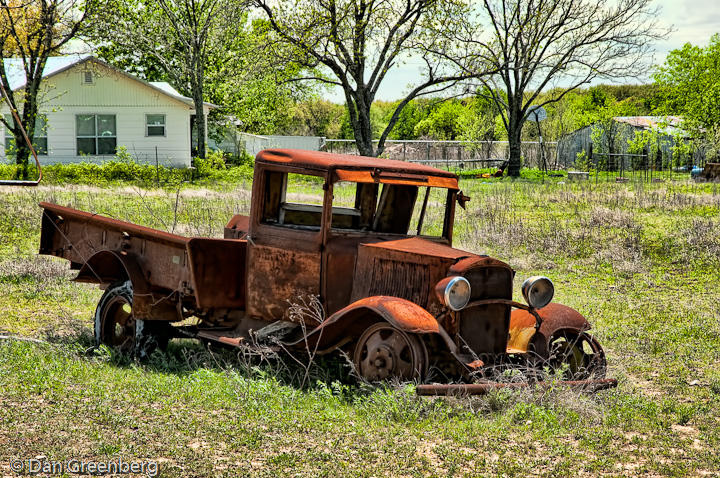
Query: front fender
[[554, 317], [349, 322]]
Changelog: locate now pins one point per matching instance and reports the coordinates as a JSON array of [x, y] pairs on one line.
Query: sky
[[693, 21]]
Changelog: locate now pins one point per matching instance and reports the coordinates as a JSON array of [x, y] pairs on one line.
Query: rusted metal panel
[[423, 263], [408, 179], [356, 317], [422, 247], [78, 236], [237, 227], [279, 276], [217, 268], [552, 317], [319, 161]]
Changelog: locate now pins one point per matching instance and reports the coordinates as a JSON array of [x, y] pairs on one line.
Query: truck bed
[[211, 272]]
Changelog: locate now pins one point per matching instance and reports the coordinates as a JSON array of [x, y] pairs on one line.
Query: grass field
[[642, 262]]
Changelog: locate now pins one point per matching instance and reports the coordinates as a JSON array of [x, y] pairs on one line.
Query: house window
[[87, 77], [154, 125], [40, 141], [96, 134]]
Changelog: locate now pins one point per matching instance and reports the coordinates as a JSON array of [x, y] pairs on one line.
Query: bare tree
[[353, 44], [30, 32], [177, 35], [533, 45]]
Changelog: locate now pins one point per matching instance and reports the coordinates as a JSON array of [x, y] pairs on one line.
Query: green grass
[[641, 261]]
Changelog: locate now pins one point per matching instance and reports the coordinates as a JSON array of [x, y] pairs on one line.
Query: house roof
[[58, 64], [360, 168]]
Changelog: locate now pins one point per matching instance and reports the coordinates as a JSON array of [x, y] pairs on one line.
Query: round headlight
[[454, 292], [538, 291]]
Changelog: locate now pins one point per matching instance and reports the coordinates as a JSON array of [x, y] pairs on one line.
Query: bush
[[124, 169]]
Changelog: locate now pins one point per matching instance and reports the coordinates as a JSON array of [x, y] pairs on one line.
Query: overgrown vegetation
[[641, 261], [216, 168]]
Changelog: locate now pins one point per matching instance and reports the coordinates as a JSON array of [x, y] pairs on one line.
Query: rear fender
[[108, 267], [554, 317], [349, 323]]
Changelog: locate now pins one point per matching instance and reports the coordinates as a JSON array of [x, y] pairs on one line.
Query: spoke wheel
[[384, 352], [578, 354]]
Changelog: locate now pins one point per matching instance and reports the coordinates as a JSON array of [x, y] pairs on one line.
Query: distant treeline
[[474, 117]]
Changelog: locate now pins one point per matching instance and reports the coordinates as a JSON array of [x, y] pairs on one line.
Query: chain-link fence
[[456, 154]]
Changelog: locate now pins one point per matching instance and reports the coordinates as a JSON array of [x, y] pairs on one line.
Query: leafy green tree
[[532, 44], [176, 37], [355, 43], [445, 122], [31, 31], [689, 82]]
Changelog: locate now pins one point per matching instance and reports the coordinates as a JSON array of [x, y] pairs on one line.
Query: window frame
[[36, 136], [96, 136], [148, 126]]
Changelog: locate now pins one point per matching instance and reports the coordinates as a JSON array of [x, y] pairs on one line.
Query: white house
[[88, 109]]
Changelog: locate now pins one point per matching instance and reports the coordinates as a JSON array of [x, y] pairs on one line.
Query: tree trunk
[[197, 86], [200, 125], [362, 126], [514, 143], [22, 150]]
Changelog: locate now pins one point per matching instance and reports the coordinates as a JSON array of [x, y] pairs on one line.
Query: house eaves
[[59, 64]]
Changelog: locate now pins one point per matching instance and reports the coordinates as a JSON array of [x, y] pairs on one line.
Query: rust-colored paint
[[407, 179], [352, 320], [217, 268], [320, 161]]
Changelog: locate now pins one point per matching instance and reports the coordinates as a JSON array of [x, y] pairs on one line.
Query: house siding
[[64, 96]]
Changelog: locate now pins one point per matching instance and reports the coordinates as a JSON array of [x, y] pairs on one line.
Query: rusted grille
[[490, 283], [484, 329], [400, 279]]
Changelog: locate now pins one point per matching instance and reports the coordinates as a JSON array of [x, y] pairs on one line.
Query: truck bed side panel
[[77, 236]]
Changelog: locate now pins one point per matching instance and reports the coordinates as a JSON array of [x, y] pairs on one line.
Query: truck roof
[[361, 169]]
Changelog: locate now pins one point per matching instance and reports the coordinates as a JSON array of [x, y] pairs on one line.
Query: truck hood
[[406, 268], [422, 247]]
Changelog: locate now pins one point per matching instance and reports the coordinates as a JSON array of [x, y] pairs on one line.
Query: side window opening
[[292, 200]]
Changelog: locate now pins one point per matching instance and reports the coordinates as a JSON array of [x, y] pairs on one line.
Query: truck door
[[284, 244]]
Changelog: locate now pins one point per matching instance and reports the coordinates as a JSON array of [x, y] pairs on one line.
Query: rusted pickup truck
[[375, 248]]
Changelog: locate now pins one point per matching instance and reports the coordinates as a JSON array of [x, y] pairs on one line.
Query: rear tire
[[116, 326]]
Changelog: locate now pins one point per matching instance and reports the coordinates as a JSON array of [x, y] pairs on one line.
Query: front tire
[[577, 354], [384, 352]]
